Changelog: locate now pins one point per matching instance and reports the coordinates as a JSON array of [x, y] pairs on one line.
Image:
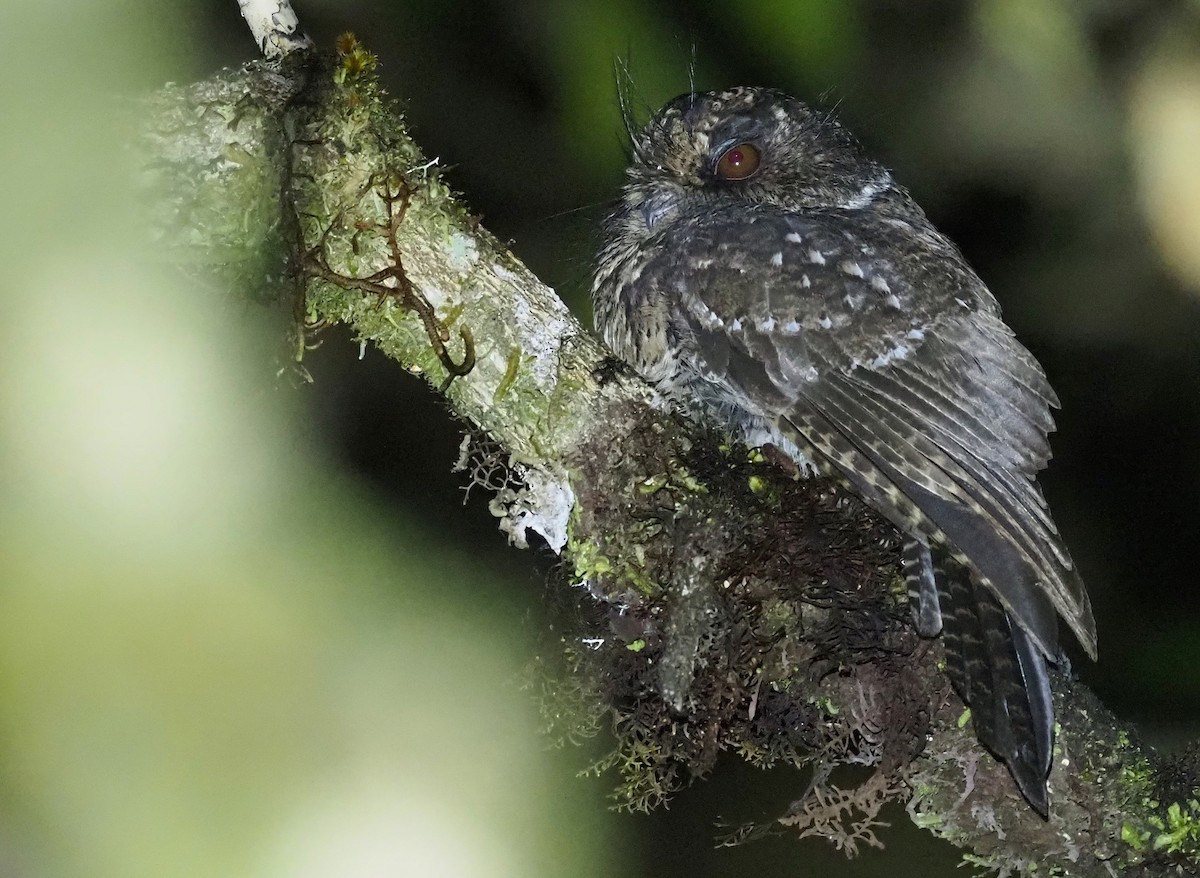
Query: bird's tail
[[992, 663]]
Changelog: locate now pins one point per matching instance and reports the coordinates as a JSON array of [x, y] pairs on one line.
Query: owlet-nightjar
[[765, 273]]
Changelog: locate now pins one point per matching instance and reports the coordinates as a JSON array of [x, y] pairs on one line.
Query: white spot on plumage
[[899, 352], [816, 257], [862, 199], [767, 324], [805, 282], [892, 302], [868, 192], [825, 322], [709, 319], [735, 325], [777, 259], [790, 328], [851, 268], [916, 334], [793, 238], [880, 283]]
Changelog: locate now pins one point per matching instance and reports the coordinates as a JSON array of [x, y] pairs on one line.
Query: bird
[[768, 276]]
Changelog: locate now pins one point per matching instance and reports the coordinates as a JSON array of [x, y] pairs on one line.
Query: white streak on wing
[[816, 257], [893, 302], [851, 268], [880, 283], [793, 238], [899, 352]]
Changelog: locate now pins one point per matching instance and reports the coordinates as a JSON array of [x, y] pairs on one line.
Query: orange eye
[[739, 162]]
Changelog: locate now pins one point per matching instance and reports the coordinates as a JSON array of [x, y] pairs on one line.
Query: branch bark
[[726, 606]]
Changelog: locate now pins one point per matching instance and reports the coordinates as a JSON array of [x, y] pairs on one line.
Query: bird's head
[[754, 144]]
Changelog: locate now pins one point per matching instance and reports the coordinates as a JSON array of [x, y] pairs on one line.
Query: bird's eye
[[739, 162]]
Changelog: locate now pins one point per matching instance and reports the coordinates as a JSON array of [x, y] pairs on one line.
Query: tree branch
[[726, 607]]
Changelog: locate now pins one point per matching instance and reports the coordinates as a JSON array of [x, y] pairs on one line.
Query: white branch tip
[[275, 27]]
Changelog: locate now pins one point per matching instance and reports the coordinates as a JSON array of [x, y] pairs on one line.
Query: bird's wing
[[895, 367]]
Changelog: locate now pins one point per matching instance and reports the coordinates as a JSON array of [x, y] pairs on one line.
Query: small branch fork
[[392, 282]]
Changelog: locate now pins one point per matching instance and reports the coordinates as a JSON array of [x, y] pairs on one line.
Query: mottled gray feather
[[917, 564], [945, 417]]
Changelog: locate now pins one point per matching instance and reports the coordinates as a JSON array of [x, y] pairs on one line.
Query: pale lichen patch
[[463, 252]]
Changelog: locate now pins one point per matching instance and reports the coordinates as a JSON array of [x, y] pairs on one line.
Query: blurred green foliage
[[214, 659]]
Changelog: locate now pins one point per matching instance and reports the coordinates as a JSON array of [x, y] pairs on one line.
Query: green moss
[[510, 370], [979, 862], [682, 479], [1136, 839], [570, 707], [653, 484], [1179, 829], [1173, 828], [452, 315], [928, 820], [826, 705], [780, 616], [1136, 781], [589, 561], [624, 567], [645, 779]]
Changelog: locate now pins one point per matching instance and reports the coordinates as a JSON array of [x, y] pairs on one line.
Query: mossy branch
[[726, 606]]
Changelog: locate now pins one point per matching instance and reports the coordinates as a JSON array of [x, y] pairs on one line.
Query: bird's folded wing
[[903, 377]]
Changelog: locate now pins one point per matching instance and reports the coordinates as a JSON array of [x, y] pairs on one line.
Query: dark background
[[1032, 133]]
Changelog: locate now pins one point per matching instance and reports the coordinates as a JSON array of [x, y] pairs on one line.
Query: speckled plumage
[[813, 306]]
